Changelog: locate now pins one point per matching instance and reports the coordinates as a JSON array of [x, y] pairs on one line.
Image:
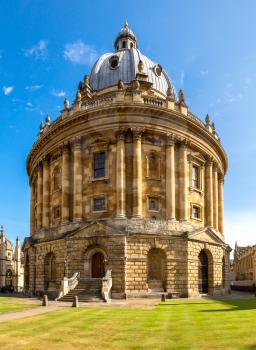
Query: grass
[[181, 324], [10, 304]]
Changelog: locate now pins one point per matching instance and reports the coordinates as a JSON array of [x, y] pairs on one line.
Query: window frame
[[93, 164], [199, 207], [148, 204], [99, 196]]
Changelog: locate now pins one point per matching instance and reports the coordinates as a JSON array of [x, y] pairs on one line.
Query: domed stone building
[[126, 188]]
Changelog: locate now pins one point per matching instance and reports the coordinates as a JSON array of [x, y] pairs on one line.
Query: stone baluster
[[215, 197], [120, 175], [46, 193], [65, 210], [183, 181], [209, 193], [137, 173], [170, 179], [221, 204], [77, 179], [39, 210]]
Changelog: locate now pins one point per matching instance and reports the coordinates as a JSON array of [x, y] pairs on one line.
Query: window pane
[[99, 203], [196, 212], [99, 164], [195, 177], [153, 204]]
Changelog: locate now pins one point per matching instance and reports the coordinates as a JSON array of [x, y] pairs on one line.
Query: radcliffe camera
[[122, 192]]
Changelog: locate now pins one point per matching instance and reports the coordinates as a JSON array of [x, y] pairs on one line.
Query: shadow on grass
[[235, 305]]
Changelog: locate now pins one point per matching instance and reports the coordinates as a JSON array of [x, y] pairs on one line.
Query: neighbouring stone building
[[127, 180], [244, 264], [11, 266]]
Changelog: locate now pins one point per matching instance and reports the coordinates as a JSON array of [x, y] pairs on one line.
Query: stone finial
[[66, 103], [207, 120], [41, 126], [78, 96], [126, 24], [141, 66], [86, 80], [120, 85], [181, 97], [170, 93], [136, 84], [213, 128], [47, 120]]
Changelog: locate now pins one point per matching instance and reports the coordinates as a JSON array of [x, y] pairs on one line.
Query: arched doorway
[[98, 265], [156, 269], [203, 284], [50, 270]]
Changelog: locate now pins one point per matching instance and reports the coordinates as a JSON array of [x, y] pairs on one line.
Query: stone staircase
[[87, 290]]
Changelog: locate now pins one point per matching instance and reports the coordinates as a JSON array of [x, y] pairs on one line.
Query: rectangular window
[[195, 176], [196, 212], [153, 204], [99, 203], [99, 159]]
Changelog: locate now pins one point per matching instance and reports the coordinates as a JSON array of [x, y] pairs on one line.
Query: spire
[[126, 24], [2, 233]]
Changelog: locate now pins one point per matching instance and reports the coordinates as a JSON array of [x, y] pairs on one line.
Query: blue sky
[[207, 47]]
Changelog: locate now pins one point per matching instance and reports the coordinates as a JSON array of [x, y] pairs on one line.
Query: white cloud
[[234, 98], [32, 88], [7, 90], [80, 53], [29, 104], [240, 227], [58, 93], [39, 50]]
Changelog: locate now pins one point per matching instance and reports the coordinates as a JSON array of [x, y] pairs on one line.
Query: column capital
[[137, 132], [76, 142], [65, 146], [120, 134], [171, 139], [46, 160], [183, 142], [209, 160]]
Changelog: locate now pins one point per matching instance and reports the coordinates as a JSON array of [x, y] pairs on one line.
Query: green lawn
[[9, 304], [180, 324]]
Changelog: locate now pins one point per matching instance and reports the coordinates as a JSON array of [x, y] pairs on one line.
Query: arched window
[[124, 44], [57, 179], [26, 272], [203, 272], [50, 269], [8, 279], [156, 268]]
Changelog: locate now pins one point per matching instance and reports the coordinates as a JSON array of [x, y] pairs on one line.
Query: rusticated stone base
[[143, 259]]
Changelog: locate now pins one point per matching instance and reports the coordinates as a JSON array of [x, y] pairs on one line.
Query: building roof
[[125, 64]]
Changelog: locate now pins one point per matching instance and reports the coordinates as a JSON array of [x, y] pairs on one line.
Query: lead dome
[[126, 63]]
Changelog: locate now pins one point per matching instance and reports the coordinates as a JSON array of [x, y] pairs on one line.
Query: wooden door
[[203, 272], [98, 268]]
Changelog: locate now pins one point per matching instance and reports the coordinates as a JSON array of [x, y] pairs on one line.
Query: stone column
[[77, 179], [221, 204], [170, 179], [208, 194], [65, 185], [39, 209], [46, 193], [215, 197], [32, 207], [137, 173], [120, 175], [183, 181]]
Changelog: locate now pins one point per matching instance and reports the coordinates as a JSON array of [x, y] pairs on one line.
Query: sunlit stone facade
[[127, 179]]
